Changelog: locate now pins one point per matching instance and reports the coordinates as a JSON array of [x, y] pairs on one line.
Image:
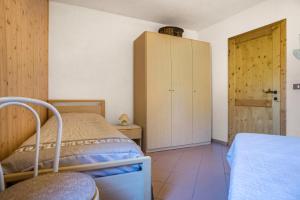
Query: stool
[[54, 186]]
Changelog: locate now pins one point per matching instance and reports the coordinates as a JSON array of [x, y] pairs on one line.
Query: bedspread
[[87, 138], [264, 167]]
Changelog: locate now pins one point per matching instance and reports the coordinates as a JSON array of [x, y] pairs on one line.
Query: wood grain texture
[[253, 103], [24, 66], [276, 57], [283, 71], [4, 145], [78, 106], [253, 74], [231, 90], [257, 63]]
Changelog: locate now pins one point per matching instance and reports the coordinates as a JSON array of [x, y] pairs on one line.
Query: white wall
[[255, 17], [91, 56]]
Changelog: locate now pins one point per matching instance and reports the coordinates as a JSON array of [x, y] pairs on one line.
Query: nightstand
[[132, 131]]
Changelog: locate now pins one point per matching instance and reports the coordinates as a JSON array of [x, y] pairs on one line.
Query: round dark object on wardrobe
[[171, 30]]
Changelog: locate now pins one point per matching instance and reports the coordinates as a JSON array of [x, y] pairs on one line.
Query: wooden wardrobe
[[172, 91]]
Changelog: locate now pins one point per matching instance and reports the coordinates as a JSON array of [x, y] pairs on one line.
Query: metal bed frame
[[22, 101], [128, 186]]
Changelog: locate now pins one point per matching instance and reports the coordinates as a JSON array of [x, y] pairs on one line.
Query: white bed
[[89, 145], [264, 167]]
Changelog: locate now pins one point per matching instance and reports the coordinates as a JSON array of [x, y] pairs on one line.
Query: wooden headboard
[[79, 106]]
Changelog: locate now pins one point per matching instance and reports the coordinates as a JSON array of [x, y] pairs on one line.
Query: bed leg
[[2, 183], [152, 195], [147, 179]]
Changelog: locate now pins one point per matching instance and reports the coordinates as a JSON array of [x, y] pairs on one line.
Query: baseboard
[[176, 147], [219, 142]]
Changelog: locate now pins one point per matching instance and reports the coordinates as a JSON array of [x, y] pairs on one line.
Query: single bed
[[89, 145], [264, 167]]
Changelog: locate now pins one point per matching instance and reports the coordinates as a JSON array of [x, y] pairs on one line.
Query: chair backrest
[[22, 101]]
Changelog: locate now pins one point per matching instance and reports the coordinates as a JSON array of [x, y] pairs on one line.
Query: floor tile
[[211, 181], [165, 163], [157, 185], [179, 178], [176, 192], [197, 173], [189, 161], [160, 174], [227, 177]]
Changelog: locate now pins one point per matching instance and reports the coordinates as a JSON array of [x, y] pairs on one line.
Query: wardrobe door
[[182, 83], [158, 91], [201, 92]]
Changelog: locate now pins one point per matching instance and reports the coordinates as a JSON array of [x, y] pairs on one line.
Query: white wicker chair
[[54, 186]]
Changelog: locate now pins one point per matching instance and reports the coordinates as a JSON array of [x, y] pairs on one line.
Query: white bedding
[[264, 167]]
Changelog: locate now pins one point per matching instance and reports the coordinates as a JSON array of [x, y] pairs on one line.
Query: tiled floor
[[198, 173]]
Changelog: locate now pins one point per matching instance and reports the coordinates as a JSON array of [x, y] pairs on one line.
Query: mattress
[[264, 167], [87, 138]]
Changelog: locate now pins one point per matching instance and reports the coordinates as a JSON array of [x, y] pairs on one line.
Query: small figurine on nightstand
[[124, 119]]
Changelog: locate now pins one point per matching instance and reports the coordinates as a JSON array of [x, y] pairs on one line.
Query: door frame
[[231, 102]]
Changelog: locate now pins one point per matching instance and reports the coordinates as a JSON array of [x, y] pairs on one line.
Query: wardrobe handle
[[171, 90]]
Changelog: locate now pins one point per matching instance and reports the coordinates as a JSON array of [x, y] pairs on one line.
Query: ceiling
[[191, 14]]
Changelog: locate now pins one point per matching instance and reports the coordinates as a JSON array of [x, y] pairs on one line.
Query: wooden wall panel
[[24, 66], [3, 72]]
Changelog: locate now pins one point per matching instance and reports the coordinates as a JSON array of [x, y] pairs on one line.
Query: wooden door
[[256, 81], [182, 97], [201, 92], [159, 103]]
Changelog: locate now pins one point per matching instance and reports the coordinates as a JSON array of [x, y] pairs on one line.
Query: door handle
[[269, 91]]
